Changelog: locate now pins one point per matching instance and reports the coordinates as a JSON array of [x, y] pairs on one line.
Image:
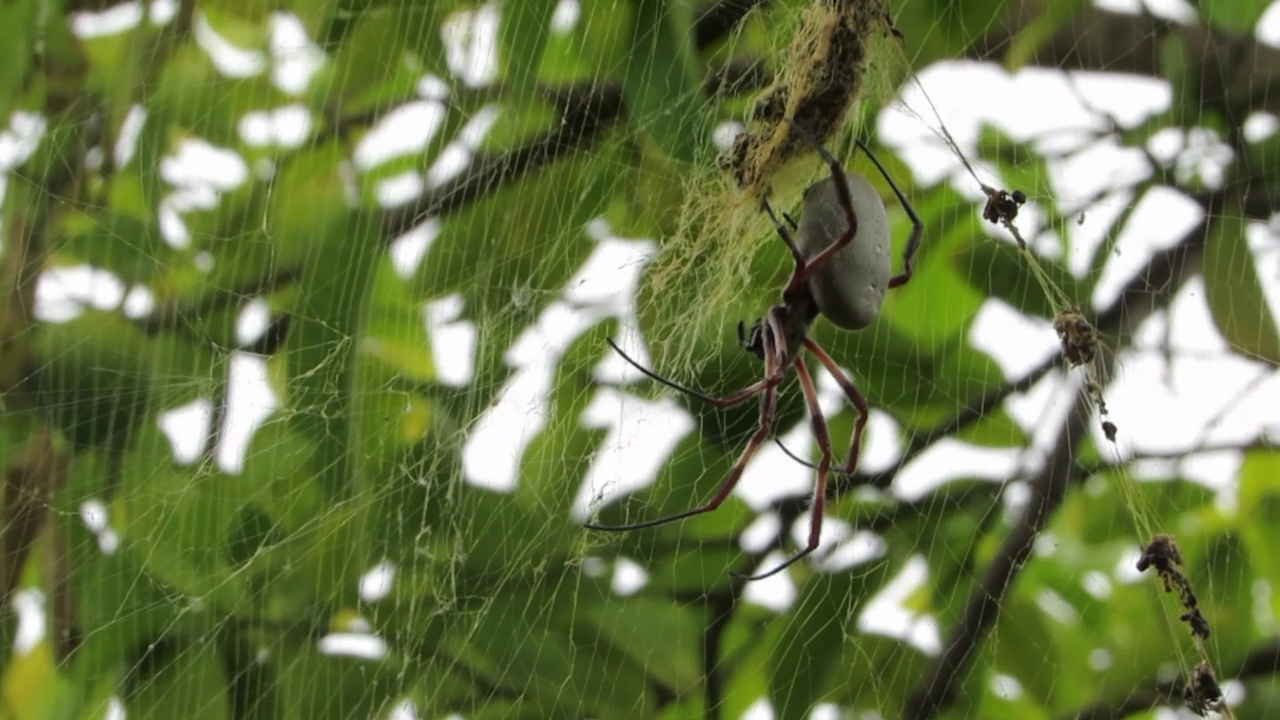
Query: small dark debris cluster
[[1002, 205], [1162, 554], [1203, 692], [1080, 347], [1109, 429], [1079, 338]]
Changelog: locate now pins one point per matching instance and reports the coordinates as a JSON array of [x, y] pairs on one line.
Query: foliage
[[253, 215]]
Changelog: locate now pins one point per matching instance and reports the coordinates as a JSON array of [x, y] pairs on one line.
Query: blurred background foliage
[[175, 585]]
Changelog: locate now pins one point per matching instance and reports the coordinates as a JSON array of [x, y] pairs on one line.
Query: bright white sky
[[1158, 406]]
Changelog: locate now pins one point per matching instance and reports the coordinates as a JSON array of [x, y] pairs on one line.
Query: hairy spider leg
[[784, 233], [909, 261], [805, 269], [818, 507], [775, 371], [917, 225], [855, 396]]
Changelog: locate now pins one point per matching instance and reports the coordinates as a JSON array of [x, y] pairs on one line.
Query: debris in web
[[1162, 553], [1079, 338], [1203, 692], [1080, 343], [825, 70], [1109, 430], [1002, 205]]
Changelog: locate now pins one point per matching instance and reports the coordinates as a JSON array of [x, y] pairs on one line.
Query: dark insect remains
[[841, 251]]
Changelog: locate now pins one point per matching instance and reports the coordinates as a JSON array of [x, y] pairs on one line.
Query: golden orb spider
[[842, 270]]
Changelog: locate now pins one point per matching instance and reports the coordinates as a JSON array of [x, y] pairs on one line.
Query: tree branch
[[587, 111], [586, 114], [983, 607]]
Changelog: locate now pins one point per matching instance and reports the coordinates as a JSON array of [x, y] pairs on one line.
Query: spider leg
[[728, 401], [804, 270], [762, 433], [784, 233], [787, 451], [818, 509], [851, 391], [917, 225]]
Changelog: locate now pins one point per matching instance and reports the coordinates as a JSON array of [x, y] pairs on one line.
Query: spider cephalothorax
[[793, 318], [842, 270]]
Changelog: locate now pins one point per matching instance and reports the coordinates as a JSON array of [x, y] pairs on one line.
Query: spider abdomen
[[850, 287]]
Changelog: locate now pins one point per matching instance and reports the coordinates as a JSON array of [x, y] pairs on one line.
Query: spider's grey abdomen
[[850, 287]]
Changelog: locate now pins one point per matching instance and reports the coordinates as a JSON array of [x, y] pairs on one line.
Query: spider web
[[315, 396]]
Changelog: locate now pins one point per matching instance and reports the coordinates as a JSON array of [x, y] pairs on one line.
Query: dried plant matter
[[824, 72]]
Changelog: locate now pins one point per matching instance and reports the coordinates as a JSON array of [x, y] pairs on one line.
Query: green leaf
[[398, 340], [949, 25], [697, 570], [1033, 658], [995, 429], [16, 53], [1238, 16], [381, 60], [810, 641], [517, 642], [551, 471], [119, 606], [334, 687], [187, 682], [1000, 269], [673, 656], [689, 477], [179, 525], [522, 242], [1234, 290], [124, 244], [1259, 498], [195, 96], [661, 82], [573, 385], [96, 377], [1035, 34], [523, 31], [864, 683], [340, 250]]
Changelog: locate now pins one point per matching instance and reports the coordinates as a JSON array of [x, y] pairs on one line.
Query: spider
[[842, 271]]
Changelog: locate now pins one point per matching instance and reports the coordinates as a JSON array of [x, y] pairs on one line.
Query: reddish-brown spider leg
[[762, 433], [785, 234], [855, 396], [805, 269], [917, 225], [818, 508]]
